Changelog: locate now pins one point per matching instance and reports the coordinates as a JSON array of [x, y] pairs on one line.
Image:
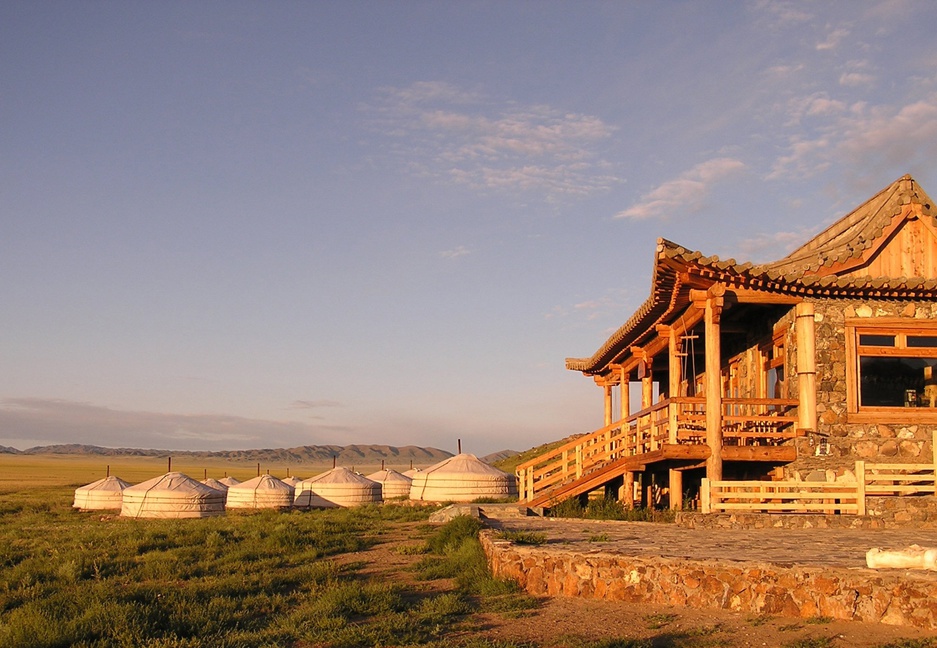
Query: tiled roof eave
[[662, 300]]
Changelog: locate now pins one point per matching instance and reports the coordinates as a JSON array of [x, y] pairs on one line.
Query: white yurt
[[216, 484], [293, 481], [261, 492], [173, 495], [338, 487], [106, 493], [461, 478], [393, 484], [229, 481]]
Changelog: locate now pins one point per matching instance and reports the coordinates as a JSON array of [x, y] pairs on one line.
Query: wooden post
[[705, 501], [608, 404], [860, 487], [675, 379], [627, 489], [676, 490], [711, 319], [805, 328], [934, 464], [624, 382]]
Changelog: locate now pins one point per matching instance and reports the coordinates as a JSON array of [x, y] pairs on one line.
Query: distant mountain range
[[302, 454]]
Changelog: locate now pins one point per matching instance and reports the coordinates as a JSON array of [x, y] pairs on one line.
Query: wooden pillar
[[676, 490], [647, 387], [627, 490], [624, 382], [608, 404], [805, 331], [712, 304], [676, 378]]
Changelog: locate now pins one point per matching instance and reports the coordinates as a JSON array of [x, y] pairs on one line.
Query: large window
[[892, 367]]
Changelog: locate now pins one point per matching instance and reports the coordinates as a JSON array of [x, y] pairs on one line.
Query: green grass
[[524, 537], [84, 579], [608, 509]]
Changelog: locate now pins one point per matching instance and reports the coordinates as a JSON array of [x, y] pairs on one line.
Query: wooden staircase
[[609, 471]]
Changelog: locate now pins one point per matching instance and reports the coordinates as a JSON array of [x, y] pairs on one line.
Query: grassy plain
[[78, 470]]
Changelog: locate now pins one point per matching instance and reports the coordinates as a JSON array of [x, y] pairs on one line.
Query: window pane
[[867, 339], [888, 382], [921, 341]]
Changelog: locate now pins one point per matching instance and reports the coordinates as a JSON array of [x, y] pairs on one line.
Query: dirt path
[[574, 622]]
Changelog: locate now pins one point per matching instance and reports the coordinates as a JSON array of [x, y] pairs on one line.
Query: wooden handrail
[[644, 431]]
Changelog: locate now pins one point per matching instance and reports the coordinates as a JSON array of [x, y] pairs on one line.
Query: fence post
[[860, 487], [705, 496], [578, 461], [934, 459]]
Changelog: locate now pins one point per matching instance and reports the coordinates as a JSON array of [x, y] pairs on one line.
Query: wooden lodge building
[[760, 371]]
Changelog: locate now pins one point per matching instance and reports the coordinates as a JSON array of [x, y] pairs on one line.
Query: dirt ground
[[571, 622]]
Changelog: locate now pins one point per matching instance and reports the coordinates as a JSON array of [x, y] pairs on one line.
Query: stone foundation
[[894, 597]]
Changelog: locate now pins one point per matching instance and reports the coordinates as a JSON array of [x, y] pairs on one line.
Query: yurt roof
[[230, 481], [110, 483], [292, 480], [383, 476], [216, 484], [340, 475], [262, 483], [172, 484], [465, 464]]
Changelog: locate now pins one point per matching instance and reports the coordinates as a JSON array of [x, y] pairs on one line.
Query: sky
[[233, 225]]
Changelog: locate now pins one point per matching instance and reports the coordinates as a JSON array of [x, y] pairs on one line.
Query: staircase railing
[[680, 420]]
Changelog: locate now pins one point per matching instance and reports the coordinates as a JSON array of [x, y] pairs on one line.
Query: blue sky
[[239, 224]]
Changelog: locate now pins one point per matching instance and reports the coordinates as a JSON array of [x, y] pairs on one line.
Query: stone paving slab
[[839, 548]]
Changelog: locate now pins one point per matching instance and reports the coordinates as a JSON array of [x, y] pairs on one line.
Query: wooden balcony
[[674, 428]]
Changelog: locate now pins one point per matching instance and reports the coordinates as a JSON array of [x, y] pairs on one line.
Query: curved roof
[[828, 265]]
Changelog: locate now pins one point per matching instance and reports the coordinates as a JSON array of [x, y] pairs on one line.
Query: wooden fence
[[832, 497]]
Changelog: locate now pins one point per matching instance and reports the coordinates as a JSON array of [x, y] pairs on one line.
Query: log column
[[712, 304], [624, 382], [608, 404], [805, 333]]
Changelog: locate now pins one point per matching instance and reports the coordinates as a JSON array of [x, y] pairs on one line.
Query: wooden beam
[[750, 296]]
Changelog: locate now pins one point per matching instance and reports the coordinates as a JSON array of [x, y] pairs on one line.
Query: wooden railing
[[787, 496], [681, 420], [844, 497]]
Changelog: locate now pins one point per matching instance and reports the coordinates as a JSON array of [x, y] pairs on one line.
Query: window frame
[[900, 328]]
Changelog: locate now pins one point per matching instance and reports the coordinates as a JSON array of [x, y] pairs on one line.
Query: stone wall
[[848, 442], [755, 588]]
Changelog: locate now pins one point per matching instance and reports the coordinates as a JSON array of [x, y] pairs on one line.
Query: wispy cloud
[[465, 137], [314, 404], [876, 135], [833, 39], [455, 253], [686, 193]]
